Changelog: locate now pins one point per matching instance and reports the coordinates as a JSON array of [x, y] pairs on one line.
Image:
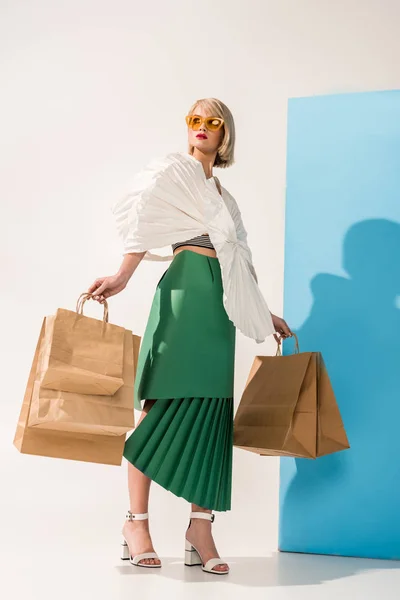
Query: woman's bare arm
[[130, 263], [104, 287]]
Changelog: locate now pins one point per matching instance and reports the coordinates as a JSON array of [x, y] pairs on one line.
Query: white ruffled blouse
[[171, 200]]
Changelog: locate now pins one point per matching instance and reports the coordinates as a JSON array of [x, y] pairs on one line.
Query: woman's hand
[[104, 287], [281, 327]]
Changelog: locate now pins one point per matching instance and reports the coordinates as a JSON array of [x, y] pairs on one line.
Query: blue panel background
[[342, 282]]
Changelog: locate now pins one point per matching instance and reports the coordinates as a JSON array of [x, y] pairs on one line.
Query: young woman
[[184, 437]]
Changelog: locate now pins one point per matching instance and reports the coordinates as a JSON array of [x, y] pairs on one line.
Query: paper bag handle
[[296, 348], [81, 301]]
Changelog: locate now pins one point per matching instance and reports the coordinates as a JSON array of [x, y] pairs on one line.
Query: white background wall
[[90, 90]]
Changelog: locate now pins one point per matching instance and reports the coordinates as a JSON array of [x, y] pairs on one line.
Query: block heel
[[192, 557]]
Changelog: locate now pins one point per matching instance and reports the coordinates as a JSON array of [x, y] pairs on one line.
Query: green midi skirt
[[186, 363]]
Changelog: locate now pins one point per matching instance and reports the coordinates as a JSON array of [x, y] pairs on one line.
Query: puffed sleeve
[[161, 207]]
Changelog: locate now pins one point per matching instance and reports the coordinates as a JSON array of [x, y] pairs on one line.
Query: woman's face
[[204, 140]]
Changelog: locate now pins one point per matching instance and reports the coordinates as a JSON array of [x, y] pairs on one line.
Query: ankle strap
[[202, 515], [136, 516]]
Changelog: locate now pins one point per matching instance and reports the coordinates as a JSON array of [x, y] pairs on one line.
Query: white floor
[[60, 525], [39, 572]]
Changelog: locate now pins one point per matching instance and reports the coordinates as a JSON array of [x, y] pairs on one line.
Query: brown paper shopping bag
[[79, 412], [88, 447], [82, 354], [103, 449], [288, 408], [87, 413]]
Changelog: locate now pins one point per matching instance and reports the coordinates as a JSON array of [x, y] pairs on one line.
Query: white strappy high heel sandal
[[192, 556], [126, 555]]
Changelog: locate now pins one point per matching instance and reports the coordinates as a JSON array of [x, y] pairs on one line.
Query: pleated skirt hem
[[186, 446]]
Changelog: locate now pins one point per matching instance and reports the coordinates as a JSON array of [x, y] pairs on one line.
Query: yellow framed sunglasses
[[212, 123]]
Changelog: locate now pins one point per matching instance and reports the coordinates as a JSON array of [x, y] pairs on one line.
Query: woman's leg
[[199, 534], [137, 533]]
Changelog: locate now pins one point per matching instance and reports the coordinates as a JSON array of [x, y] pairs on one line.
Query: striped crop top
[[200, 240]]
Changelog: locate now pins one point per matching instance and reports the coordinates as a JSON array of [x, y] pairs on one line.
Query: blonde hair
[[216, 108]]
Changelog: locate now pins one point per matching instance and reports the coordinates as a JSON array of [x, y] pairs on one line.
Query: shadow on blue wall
[[355, 323]]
